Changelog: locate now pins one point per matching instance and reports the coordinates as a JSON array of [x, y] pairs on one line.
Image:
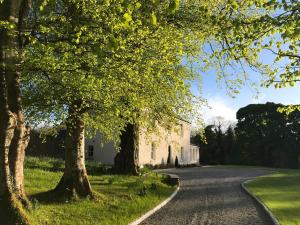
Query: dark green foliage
[[46, 145], [153, 186], [229, 144], [267, 137], [143, 191], [263, 136], [218, 144]]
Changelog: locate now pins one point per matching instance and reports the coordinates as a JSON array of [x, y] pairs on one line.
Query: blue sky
[[225, 106], [221, 104]]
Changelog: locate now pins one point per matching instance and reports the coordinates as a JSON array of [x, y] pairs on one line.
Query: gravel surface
[[211, 196]]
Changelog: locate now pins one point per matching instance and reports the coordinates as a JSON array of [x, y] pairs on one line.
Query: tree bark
[[74, 182], [21, 136], [126, 161], [16, 160], [12, 142], [11, 209]]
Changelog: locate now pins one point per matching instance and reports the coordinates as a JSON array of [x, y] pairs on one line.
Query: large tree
[[104, 66], [70, 33], [240, 31], [14, 135], [67, 36], [137, 39], [267, 137]]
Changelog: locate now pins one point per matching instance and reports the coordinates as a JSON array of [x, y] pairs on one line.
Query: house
[[154, 149]]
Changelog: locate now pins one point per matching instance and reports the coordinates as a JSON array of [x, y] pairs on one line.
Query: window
[[91, 151], [153, 151], [181, 153]]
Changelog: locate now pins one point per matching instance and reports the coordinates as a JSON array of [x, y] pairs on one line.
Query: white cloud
[[218, 107]]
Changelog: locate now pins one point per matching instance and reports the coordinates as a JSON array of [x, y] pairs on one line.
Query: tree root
[[74, 189], [12, 211]]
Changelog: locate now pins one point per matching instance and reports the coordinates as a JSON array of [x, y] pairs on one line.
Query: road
[[211, 196]]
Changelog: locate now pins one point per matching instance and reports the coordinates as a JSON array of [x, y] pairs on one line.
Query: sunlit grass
[[281, 193], [118, 197]]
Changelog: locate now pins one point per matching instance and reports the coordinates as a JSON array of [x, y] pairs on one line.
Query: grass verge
[[281, 194], [120, 198]]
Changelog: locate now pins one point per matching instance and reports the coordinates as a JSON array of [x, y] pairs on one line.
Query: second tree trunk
[[74, 182], [126, 161]]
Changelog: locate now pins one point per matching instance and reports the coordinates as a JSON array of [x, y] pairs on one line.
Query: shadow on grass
[[46, 197], [55, 197]]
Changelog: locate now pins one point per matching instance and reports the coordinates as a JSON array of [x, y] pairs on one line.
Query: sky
[[223, 105]]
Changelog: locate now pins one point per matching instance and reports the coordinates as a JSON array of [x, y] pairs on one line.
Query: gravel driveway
[[211, 196]]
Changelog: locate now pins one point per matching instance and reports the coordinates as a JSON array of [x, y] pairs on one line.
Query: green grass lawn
[[119, 200], [281, 193]]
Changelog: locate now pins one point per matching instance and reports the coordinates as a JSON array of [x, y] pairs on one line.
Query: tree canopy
[[268, 137], [104, 49], [121, 61]]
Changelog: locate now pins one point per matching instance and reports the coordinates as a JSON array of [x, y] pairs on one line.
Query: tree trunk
[[12, 134], [21, 136], [16, 160], [74, 182], [11, 209], [126, 161]]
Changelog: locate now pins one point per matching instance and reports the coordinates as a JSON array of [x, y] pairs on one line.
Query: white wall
[[102, 153], [178, 138], [175, 138]]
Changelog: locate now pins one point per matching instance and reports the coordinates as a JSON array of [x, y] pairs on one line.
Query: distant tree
[[264, 136], [221, 154], [209, 148], [218, 143], [104, 69], [229, 144]]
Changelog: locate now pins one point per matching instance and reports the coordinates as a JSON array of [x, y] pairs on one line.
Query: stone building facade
[[158, 148]]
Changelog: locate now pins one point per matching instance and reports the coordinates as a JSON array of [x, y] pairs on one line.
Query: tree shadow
[[55, 197], [46, 197]]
